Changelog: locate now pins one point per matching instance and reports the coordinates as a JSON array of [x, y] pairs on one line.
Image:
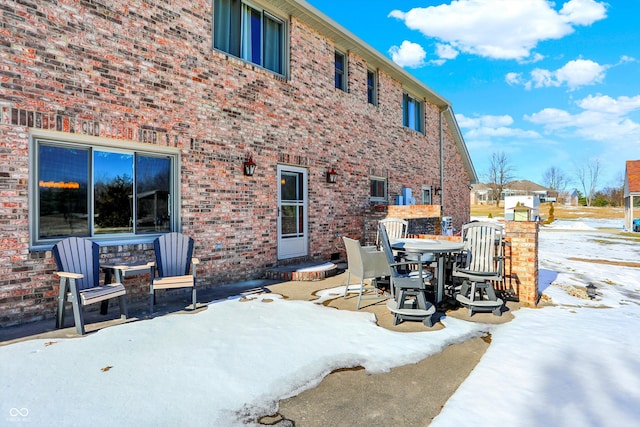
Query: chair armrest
[[195, 261], [151, 264], [116, 267], [398, 264], [69, 275]]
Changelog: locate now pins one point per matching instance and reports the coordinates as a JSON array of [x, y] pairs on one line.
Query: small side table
[[119, 272]]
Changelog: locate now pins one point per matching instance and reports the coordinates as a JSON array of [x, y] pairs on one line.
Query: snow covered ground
[[575, 363]]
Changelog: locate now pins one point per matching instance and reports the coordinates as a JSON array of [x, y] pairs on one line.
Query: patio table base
[[410, 314]]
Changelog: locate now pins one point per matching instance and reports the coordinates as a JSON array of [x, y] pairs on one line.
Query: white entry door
[[293, 238]]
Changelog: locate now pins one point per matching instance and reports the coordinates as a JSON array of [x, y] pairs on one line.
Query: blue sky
[[550, 84]]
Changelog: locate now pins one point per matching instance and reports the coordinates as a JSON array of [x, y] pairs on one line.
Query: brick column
[[521, 268]]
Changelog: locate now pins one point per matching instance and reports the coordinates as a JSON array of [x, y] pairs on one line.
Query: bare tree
[[587, 174], [500, 173], [555, 179]]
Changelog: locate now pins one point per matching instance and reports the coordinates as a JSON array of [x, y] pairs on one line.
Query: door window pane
[[63, 182], [289, 221], [291, 186], [292, 200]]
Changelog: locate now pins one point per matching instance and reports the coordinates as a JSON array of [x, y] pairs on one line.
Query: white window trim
[[386, 188]]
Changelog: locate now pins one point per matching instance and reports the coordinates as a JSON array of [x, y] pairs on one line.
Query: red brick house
[[121, 120], [631, 193]]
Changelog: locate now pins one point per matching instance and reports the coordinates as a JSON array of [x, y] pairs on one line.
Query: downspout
[[442, 111]]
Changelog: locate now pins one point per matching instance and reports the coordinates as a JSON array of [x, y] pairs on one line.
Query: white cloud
[[602, 119], [583, 12], [486, 127], [484, 121], [446, 51], [574, 74], [513, 78], [409, 54], [502, 29], [581, 72], [605, 104], [542, 78]]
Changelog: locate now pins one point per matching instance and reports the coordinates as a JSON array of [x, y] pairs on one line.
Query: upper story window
[[412, 113], [341, 71], [378, 187], [372, 87], [250, 33], [100, 191]]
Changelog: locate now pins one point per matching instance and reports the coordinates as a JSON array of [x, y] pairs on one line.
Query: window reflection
[[88, 191], [113, 192], [63, 176], [153, 180]]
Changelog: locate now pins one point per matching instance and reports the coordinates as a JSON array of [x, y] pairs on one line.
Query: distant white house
[[482, 194], [512, 202]]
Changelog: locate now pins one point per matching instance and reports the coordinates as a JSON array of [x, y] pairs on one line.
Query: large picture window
[[100, 191], [250, 33], [412, 113]]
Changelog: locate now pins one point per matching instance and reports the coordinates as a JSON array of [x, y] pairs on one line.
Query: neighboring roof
[[349, 41], [525, 185], [521, 185], [479, 186], [632, 177]]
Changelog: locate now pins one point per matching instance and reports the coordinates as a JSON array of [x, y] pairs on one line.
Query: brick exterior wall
[[144, 72], [521, 266]]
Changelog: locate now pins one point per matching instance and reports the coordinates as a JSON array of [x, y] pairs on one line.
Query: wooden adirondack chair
[[482, 265], [77, 260], [173, 265]]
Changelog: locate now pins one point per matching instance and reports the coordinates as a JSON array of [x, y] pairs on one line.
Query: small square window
[[378, 189]]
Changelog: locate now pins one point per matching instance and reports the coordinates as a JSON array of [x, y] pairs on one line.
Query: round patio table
[[439, 248]]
